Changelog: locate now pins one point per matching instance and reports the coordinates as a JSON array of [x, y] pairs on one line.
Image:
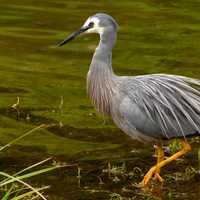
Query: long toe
[[158, 177], [148, 176], [153, 172]]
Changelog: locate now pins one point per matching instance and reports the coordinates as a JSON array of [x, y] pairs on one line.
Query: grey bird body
[[156, 107], [147, 108]]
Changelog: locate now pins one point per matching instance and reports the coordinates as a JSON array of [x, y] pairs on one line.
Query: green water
[[155, 36]]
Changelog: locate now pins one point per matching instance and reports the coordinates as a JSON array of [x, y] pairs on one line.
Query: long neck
[[101, 79]]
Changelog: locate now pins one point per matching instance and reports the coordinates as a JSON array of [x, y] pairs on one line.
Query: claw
[[148, 176], [158, 177], [152, 172]]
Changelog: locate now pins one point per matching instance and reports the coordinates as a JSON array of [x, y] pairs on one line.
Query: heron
[[149, 108]]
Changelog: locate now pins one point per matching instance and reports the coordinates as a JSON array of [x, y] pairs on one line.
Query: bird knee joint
[[186, 146]]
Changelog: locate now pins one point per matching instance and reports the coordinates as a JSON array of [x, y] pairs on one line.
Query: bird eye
[[91, 24]]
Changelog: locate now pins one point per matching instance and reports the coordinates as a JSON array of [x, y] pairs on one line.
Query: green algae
[[154, 37]]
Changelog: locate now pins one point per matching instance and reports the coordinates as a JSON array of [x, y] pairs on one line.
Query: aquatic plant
[[13, 187]]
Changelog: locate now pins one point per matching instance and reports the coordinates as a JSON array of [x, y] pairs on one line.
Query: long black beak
[[74, 35]]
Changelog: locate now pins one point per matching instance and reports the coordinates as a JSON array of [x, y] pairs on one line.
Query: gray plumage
[[148, 107]]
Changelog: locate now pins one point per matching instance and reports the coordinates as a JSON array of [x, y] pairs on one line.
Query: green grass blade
[[15, 179], [28, 175], [28, 168], [22, 136], [22, 196], [6, 196]]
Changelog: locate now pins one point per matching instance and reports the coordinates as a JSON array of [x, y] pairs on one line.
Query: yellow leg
[[156, 169], [160, 157]]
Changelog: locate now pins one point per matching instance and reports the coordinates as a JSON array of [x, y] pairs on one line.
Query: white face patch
[[96, 28]]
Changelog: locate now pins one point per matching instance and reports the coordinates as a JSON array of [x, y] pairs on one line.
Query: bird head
[[98, 23]]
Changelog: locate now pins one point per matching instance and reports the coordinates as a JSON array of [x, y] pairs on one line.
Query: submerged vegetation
[[44, 84], [13, 187]]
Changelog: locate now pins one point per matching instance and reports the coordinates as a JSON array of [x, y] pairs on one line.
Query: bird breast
[[100, 89]]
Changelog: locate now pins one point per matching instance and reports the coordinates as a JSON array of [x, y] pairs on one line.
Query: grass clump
[[14, 187]]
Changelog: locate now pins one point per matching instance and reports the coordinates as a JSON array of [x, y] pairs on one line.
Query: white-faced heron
[[149, 108]]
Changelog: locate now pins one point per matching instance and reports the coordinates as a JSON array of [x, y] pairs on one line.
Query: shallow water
[[155, 36]]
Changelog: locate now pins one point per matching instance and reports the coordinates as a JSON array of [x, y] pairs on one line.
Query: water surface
[[155, 36]]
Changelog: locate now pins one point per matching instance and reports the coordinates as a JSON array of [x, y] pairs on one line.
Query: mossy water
[[154, 37]]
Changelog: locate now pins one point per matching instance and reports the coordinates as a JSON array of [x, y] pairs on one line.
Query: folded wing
[[162, 106]]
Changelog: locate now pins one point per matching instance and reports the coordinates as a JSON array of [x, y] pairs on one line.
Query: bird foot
[[153, 172], [158, 177]]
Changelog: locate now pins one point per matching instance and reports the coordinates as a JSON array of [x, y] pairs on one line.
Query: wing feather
[[172, 102]]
